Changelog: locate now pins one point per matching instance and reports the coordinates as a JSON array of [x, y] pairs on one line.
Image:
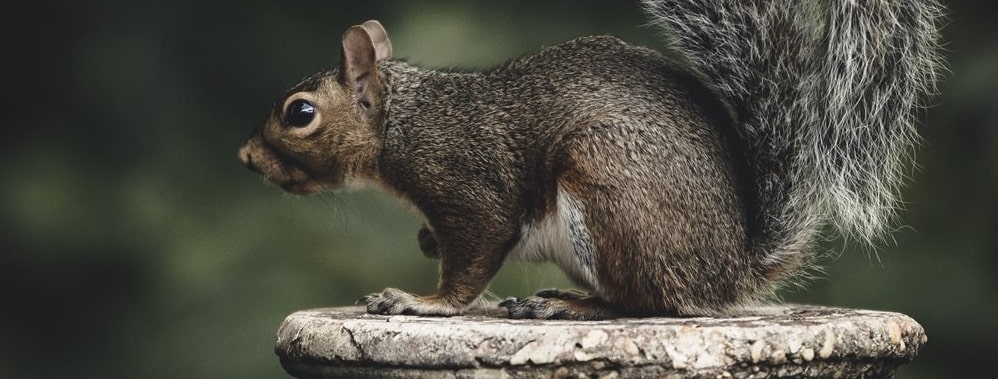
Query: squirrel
[[686, 184]]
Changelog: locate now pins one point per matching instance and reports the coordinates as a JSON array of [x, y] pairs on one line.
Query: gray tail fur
[[825, 92]]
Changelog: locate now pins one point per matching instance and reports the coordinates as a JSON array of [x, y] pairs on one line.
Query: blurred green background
[[135, 245]]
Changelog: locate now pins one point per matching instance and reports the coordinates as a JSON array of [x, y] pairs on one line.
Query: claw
[[366, 298], [538, 307], [396, 302], [508, 302], [529, 307]]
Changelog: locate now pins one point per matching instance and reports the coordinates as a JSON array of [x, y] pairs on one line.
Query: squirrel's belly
[[561, 237]]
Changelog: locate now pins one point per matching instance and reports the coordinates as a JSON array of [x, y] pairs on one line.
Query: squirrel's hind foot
[[558, 305]]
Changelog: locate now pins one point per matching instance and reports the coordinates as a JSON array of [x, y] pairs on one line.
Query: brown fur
[[616, 161], [622, 129]]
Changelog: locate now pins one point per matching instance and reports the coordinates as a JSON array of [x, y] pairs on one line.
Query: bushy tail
[[825, 93]]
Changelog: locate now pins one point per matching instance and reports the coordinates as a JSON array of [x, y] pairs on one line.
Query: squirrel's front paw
[[393, 301], [428, 243]]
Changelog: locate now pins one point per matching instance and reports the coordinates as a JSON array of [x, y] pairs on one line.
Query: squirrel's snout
[[246, 157]]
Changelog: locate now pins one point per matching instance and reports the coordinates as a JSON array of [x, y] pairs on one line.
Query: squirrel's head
[[326, 130]]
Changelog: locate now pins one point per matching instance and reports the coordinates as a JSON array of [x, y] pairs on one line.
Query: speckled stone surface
[[772, 342]]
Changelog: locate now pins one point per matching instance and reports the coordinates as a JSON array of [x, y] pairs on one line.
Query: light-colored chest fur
[[562, 238]]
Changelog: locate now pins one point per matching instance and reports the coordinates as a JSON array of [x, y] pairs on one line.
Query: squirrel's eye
[[299, 113]]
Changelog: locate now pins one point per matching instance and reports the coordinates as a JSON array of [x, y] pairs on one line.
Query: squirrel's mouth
[[291, 177]]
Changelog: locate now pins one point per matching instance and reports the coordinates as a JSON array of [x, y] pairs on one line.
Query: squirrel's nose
[[246, 157]]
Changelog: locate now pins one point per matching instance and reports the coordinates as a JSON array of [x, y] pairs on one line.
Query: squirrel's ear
[[363, 46], [359, 69], [379, 38], [358, 55]]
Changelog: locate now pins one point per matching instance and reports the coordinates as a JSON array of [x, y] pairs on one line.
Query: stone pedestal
[[773, 342]]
